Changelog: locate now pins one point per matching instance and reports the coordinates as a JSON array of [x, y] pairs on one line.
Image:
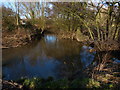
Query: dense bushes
[[9, 23], [8, 19]]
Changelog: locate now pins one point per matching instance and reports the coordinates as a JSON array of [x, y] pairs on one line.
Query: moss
[[93, 84], [50, 79], [26, 82], [85, 83], [62, 83], [77, 83], [111, 86], [33, 83], [37, 83]]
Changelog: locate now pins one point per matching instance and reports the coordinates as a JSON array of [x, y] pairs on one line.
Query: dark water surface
[[48, 57]]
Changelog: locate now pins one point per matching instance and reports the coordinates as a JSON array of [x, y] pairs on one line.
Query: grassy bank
[[38, 83], [107, 78]]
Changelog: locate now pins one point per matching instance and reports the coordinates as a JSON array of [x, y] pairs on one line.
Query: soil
[[14, 38], [110, 74]]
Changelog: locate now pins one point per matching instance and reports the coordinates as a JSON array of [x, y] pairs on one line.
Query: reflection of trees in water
[[61, 48], [44, 55], [55, 50], [15, 69], [86, 56], [67, 51], [77, 62], [71, 64]]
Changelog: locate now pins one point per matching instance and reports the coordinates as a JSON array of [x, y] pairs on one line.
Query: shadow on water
[[48, 57]]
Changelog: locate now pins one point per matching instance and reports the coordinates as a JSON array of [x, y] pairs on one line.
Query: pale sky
[[6, 2], [58, 0]]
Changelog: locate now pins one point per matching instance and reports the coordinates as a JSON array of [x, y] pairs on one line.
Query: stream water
[[49, 57]]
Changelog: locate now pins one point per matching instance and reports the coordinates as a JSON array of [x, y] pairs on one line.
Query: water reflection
[[86, 58], [50, 39], [48, 57], [116, 60]]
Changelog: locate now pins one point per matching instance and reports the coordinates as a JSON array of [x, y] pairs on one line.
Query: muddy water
[[48, 57]]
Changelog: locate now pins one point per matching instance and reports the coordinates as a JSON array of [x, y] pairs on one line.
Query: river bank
[[18, 38], [104, 78], [108, 78], [14, 39]]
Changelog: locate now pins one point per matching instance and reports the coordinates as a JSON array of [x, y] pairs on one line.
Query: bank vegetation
[[95, 24]]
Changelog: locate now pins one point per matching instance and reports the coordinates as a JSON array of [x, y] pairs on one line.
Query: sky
[[57, 0], [12, 6], [6, 3]]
